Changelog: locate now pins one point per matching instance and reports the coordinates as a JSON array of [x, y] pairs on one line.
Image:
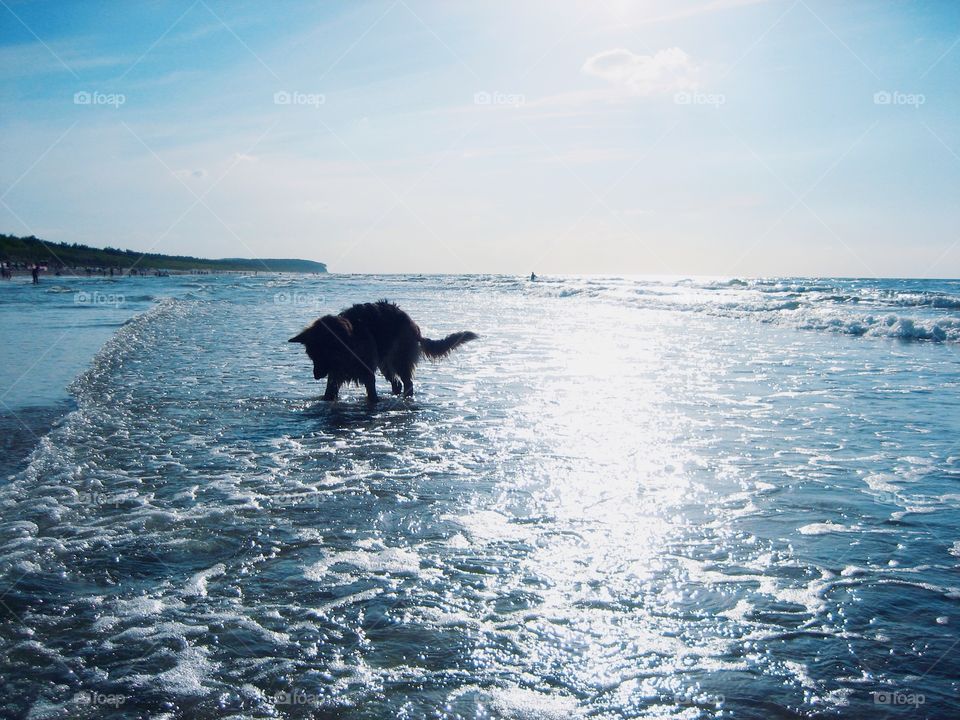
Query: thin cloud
[[665, 71], [31, 59]]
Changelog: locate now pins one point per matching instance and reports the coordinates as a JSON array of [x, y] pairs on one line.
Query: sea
[[632, 497]]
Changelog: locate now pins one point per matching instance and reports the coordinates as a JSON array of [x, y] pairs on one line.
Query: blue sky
[[724, 137]]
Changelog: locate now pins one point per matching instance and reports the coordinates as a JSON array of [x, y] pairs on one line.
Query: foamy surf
[[895, 309], [658, 521]]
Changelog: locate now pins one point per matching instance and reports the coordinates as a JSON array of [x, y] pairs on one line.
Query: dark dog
[[352, 346]]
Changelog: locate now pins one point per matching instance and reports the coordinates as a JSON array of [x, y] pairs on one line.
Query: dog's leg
[[391, 377], [408, 361], [370, 383], [333, 389]]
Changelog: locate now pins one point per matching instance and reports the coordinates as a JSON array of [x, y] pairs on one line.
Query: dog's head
[[326, 340]]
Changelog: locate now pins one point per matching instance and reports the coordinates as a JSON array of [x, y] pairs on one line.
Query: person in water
[[36, 274], [533, 276]]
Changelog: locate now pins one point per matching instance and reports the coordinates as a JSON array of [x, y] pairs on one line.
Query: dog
[[352, 346]]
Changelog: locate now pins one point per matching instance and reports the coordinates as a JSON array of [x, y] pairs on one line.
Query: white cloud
[[665, 71]]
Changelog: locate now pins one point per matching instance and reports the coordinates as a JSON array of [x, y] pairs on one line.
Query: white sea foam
[[841, 308], [488, 526], [828, 527], [521, 703], [197, 585], [524, 704], [187, 677], [353, 598], [139, 606], [391, 561]]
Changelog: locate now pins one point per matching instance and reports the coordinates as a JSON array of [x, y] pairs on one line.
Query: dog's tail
[[442, 348]]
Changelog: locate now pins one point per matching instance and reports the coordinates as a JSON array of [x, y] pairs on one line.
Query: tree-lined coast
[[24, 253]]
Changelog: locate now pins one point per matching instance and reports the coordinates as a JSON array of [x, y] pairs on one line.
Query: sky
[[692, 137]]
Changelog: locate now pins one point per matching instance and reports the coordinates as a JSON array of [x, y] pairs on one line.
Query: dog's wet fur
[[352, 346]]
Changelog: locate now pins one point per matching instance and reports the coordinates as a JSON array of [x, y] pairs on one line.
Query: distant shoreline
[[23, 253], [80, 273]]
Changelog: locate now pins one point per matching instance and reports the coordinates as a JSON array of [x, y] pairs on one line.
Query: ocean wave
[[939, 301], [854, 308], [89, 384], [889, 326]]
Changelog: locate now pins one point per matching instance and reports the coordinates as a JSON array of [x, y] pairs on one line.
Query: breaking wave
[[896, 309]]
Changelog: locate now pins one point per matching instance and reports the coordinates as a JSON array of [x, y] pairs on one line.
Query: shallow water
[[630, 498]]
